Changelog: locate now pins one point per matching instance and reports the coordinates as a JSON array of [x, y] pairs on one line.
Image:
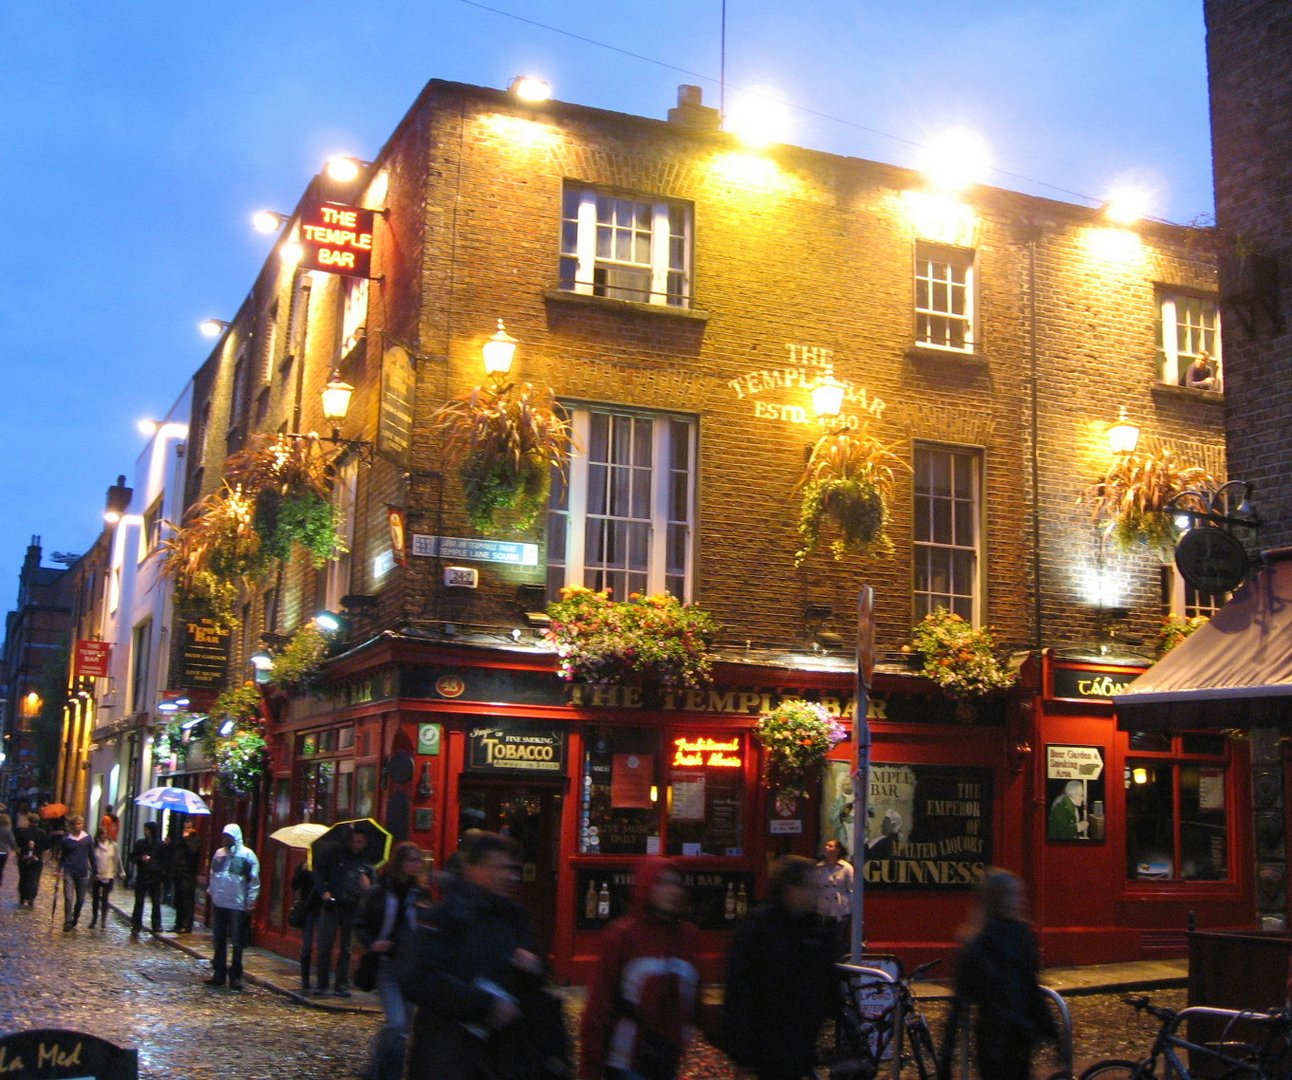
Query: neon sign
[[703, 752], [337, 239]]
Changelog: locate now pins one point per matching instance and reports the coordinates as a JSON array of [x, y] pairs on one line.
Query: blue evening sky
[[136, 139]]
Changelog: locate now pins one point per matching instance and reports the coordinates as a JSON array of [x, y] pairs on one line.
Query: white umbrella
[[299, 836], [178, 799]]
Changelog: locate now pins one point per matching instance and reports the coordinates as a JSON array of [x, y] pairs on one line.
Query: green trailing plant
[[797, 737], [175, 737], [1175, 629], [241, 761], [848, 483], [1130, 501], [962, 659], [505, 443], [653, 640], [298, 669], [291, 482]]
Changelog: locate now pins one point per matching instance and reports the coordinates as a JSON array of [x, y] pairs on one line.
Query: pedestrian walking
[[996, 973], [304, 915], [106, 867], [475, 974], [387, 919], [8, 842], [780, 979], [233, 885], [149, 863], [834, 902], [341, 879], [110, 824], [644, 995], [33, 842], [76, 858], [186, 862]]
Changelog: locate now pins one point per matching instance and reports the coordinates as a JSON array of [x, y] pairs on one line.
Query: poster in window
[[688, 797], [928, 826], [1211, 789], [1074, 793], [631, 776]]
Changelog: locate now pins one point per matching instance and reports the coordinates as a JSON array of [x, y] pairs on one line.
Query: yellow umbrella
[[300, 836], [375, 854]]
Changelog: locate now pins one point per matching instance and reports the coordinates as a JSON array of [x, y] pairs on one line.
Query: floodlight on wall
[[226, 729], [213, 327], [262, 664], [268, 221], [344, 168], [118, 501], [530, 89], [291, 253], [1123, 436], [499, 352], [329, 622]]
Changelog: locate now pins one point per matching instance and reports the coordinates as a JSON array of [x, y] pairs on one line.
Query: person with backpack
[[233, 886], [341, 879]]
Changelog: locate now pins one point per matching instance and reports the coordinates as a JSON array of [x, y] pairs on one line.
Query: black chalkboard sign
[[53, 1054]]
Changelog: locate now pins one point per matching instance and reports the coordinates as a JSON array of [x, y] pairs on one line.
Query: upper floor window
[[150, 533], [1181, 598], [140, 654], [340, 569], [298, 316], [944, 297], [623, 517], [354, 312], [626, 248], [947, 530], [1190, 345]]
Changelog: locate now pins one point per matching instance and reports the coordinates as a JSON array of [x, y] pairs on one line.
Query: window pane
[[620, 773], [1150, 834], [706, 803]]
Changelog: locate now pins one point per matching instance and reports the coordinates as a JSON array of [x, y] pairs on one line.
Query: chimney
[[690, 113]]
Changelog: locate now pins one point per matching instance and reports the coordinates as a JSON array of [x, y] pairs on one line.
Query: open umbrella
[[338, 836], [299, 836], [178, 799], [53, 810]]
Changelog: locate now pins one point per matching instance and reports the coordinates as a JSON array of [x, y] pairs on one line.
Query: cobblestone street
[[149, 996], [146, 995]]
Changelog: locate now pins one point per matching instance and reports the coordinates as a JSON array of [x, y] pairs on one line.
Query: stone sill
[[623, 307], [921, 354], [1215, 398]]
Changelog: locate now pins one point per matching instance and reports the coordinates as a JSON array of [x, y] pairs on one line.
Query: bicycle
[[863, 1043], [1266, 1059]]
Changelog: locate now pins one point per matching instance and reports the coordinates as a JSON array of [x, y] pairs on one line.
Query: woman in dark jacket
[[781, 983], [32, 842], [996, 972], [387, 918]]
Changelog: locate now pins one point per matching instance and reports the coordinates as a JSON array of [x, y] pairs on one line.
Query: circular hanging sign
[[1211, 560]]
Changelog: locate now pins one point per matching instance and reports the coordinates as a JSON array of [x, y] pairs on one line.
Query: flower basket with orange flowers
[[798, 736], [651, 640], [959, 657]]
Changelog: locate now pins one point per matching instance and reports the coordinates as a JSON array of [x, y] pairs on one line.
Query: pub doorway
[[530, 814]]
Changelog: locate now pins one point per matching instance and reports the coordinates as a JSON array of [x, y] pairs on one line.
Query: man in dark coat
[[186, 861], [341, 879], [33, 842], [476, 977], [149, 861], [781, 982]]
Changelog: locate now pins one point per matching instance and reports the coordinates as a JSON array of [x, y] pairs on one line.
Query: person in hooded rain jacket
[[473, 970], [996, 971], [233, 886], [781, 984], [645, 993]]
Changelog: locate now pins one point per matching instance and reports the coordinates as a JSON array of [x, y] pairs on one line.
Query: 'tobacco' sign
[[337, 239]]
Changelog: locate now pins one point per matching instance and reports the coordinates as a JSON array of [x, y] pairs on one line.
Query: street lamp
[[827, 396], [213, 327], [336, 396], [530, 89], [498, 353], [268, 221], [1123, 436]]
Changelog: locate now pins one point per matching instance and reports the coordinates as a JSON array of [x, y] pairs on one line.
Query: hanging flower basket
[[1130, 501], [298, 669], [959, 657], [847, 484], [241, 756], [797, 737], [651, 640]]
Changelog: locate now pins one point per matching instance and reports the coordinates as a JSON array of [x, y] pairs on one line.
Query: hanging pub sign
[[93, 658], [928, 826], [515, 748], [337, 239], [204, 654]]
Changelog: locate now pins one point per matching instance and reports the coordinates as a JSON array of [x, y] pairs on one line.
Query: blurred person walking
[[106, 868], [33, 842], [8, 842], [644, 995]]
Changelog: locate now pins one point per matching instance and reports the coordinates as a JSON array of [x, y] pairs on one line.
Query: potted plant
[[234, 741], [848, 482], [797, 736], [298, 669], [653, 640], [1131, 499], [1174, 629], [962, 659], [505, 442]]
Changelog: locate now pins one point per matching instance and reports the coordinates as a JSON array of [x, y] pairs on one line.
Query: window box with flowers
[[962, 659], [797, 737], [648, 640]]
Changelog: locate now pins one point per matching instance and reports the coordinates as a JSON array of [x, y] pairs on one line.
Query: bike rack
[[882, 976], [1065, 1035]]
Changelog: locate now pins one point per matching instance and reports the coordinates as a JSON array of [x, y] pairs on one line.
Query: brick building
[[682, 295]]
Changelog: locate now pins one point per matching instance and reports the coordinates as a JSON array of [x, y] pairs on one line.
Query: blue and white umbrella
[[178, 799]]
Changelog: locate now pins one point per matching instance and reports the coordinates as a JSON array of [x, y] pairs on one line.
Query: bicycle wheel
[[922, 1050], [1116, 1069]]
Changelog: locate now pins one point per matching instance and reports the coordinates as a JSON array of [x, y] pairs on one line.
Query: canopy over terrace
[[1233, 672]]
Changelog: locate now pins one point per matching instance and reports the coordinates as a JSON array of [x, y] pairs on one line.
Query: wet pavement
[[147, 993]]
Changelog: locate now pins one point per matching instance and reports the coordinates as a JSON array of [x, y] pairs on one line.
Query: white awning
[[1234, 671]]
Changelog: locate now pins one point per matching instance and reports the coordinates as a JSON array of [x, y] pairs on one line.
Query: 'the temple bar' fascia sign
[[337, 239]]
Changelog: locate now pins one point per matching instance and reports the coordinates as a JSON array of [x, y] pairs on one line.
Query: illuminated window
[[947, 530], [298, 318], [354, 312], [625, 248], [269, 342], [944, 301], [140, 652], [150, 533], [622, 517], [1190, 331], [1177, 817]]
